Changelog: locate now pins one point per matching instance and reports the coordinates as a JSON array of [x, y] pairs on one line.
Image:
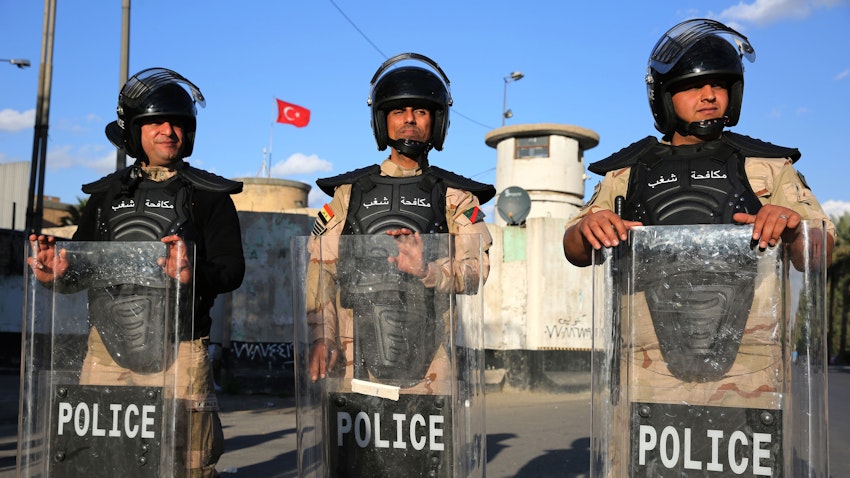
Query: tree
[[74, 212], [838, 280]]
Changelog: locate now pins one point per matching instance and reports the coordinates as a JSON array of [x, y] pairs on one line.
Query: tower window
[[535, 147]]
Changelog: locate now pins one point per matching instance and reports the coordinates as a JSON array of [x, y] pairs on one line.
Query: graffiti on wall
[[268, 355], [565, 328]]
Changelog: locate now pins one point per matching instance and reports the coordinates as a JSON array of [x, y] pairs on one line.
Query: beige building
[[272, 195]]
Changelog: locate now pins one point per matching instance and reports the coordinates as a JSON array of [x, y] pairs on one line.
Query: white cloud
[[316, 197], [842, 75], [11, 120], [775, 112], [300, 163], [835, 208], [769, 11], [92, 157], [103, 164], [86, 124]]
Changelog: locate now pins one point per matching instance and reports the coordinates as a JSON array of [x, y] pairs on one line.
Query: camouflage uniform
[[753, 377], [327, 319]]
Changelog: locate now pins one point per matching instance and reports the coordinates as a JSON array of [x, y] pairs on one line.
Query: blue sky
[[584, 65]]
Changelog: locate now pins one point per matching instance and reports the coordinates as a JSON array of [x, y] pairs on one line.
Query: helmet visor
[[144, 82], [679, 39]]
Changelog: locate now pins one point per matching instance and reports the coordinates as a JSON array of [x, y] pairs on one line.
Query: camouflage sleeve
[[323, 248], [775, 181], [465, 218], [615, 183]]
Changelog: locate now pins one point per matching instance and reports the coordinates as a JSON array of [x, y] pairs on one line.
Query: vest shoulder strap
[[625, 157], [328, 185], [104, 183], [752, 147], [484, 192], [207, 181]]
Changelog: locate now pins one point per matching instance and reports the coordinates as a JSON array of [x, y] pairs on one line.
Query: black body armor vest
[[155, 210], [140, 210], [701, 184], [381, 203]]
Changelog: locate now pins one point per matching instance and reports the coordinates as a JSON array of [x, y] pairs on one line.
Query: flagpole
[[271, 140], [271, 134], [262, 172]]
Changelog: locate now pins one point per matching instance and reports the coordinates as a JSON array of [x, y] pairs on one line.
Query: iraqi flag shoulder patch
[[474, 214], [322, 218]]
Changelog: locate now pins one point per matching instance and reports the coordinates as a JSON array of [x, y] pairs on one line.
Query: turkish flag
[[292, 114]]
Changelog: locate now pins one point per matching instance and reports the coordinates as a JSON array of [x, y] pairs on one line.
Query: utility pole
[[35, 214]]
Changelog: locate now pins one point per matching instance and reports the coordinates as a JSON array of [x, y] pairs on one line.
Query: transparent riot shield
[[404, 391], [710, 355], [101, 365]]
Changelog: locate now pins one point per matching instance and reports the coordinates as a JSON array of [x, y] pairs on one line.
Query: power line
[[350, 21], [470, 119], [482, 173], [358, 29]]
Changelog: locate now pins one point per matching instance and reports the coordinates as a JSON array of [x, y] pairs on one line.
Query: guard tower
[[537, 313], [545, 159]]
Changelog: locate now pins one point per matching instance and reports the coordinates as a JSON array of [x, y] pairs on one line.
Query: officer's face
[[700, 100], [409, 123], [162, 140]]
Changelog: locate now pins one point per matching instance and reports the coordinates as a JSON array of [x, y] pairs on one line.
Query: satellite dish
[[513, 205]]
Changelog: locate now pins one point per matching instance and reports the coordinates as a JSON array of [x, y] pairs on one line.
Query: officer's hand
[[409, 258], [604, 228], [323, 356], [46, 265], [770, 224], [176, 264]]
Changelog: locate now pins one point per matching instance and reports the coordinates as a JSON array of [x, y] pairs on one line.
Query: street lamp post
[[515, 76], [120, 154], [19, 62]]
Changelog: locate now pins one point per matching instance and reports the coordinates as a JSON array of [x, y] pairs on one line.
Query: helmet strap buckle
[[412, 149], [704, 128]]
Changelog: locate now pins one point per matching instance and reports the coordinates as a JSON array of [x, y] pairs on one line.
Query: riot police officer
[[404, 197], [159, 198], [699, 173]]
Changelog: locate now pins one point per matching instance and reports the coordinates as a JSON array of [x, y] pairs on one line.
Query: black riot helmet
[[154, 92], [693, 49], [410, 86]]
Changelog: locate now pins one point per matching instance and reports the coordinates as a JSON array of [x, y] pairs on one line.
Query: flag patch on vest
[[474, 214], [322, 219]]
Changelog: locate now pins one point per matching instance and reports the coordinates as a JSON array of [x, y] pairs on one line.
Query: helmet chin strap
[[705, 128], [412, 149]]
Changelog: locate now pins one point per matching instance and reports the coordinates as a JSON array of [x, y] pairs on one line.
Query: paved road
[[528, 434]]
